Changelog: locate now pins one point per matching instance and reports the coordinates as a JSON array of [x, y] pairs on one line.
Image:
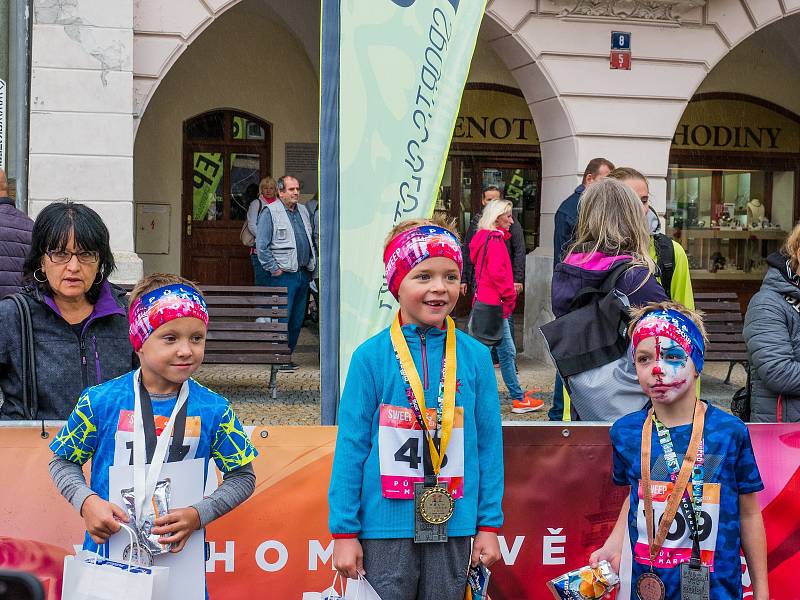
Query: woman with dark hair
[[78, 319]]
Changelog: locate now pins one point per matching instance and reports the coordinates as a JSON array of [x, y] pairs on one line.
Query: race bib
[[400, 441], [677, 546], [123, 439]]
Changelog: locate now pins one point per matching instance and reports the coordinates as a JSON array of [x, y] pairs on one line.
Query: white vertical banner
[[402, 68]]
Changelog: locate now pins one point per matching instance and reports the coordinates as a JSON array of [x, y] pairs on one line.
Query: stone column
[[81, 128]]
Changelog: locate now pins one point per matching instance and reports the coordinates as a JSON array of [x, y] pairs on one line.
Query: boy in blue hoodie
[[418, 467]]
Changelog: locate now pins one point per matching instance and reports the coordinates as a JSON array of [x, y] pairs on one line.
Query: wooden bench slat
[[724, 328], [716, 295], [247, 312], [722, 347], [246, 336], [246, 347], [708, 307], [244, 289], [723, 316], [247, 301], [726, 357], [246, 326], [250, 359], [725, 337]]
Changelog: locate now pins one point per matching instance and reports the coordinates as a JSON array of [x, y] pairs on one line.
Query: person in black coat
[[15, 241]]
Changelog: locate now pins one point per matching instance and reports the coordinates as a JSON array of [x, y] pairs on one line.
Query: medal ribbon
[[416, 397], [680, 482]]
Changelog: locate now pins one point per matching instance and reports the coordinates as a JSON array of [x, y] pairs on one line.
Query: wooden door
[[225, 155]]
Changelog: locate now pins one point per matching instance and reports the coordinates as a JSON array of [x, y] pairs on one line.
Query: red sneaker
[[529, 404]]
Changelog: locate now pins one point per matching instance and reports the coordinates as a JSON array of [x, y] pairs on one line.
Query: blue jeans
[[556, 412], [260, 274], [296, 285], [506, 353]]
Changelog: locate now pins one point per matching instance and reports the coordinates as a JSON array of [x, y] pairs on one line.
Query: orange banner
[[559, 505]]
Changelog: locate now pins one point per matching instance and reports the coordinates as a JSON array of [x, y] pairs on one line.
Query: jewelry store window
[[728, 220]]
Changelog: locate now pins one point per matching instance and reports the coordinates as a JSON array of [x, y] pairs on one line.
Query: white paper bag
[[360, 589], [187, 567], [89, 576], [328, 594]]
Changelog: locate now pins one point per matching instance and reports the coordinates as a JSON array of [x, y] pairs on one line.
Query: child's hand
[[348, 557], [485, 549], [605, 552], [101, 518], [176, 526]]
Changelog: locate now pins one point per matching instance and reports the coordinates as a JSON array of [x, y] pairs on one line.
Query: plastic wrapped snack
[[586, 583], [158, 507]]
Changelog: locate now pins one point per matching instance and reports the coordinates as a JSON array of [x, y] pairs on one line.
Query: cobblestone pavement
[[298, 393]]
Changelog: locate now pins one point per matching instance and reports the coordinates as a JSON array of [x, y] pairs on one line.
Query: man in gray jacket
[[15, 241], [285, 247]]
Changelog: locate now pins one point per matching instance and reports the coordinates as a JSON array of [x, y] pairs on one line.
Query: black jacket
[[65, 363], [15, 242], [515, 246]]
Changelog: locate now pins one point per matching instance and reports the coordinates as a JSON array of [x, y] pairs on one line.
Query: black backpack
[[589, 346], [665, 259]]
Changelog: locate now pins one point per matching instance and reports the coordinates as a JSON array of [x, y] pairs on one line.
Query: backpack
[[665, 259], [247, 238], [589, 346]]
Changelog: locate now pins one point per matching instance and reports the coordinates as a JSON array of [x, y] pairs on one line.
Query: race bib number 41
[[677, 547], [400, 446]]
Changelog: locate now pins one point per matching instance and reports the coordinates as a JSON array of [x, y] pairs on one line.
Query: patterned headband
[[411, 247], [162, 305], [675, 326]]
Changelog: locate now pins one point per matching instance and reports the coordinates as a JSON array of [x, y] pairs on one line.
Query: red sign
[[621, 59]]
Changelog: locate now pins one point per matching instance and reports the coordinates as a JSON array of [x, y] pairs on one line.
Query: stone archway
[[164, 30]]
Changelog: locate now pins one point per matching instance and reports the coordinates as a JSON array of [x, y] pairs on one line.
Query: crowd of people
[[74, 347]]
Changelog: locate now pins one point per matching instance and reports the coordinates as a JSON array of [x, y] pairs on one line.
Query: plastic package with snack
[[586, 583], [158, 507]]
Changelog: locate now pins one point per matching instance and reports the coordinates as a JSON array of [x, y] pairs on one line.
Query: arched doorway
[[225, 154]]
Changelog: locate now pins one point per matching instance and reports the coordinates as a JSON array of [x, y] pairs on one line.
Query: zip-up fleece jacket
[[494, 278], [772, 334], [357, 507], [65, 364], [579, 271]]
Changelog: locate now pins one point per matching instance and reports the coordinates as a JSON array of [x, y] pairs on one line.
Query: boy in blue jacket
[[418, 467]]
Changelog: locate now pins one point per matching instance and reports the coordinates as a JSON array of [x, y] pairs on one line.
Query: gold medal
[[650, 587], [436, 505]]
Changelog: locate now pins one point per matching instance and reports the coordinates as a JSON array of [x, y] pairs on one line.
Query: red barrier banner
[[559, 505]]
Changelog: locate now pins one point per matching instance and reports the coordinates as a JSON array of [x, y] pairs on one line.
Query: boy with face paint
[[418, 468], [692, 474]]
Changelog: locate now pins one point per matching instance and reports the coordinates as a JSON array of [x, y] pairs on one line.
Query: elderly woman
[[78, 319], [772, 334], [267, 194]]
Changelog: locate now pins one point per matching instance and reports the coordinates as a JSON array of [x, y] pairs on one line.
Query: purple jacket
[[579, 271], [15, 242]]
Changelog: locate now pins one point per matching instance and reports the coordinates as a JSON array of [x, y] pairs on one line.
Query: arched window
[[225, 155]]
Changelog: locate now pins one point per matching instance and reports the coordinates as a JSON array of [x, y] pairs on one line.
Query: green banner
[[403, 65]]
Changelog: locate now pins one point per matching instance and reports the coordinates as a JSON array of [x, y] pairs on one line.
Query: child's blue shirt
[[730, 470], [101, 428], [379, 442]]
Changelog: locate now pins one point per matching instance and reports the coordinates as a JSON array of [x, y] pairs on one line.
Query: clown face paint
[[666, 371]]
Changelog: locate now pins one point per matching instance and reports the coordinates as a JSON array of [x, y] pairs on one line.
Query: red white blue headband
[[675, 326], [162, 305], [411, 247]]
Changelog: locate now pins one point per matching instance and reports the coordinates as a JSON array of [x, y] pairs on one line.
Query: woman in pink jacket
[[494, 282]]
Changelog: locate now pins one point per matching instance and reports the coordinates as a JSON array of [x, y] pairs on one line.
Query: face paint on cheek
[[675, 361]]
